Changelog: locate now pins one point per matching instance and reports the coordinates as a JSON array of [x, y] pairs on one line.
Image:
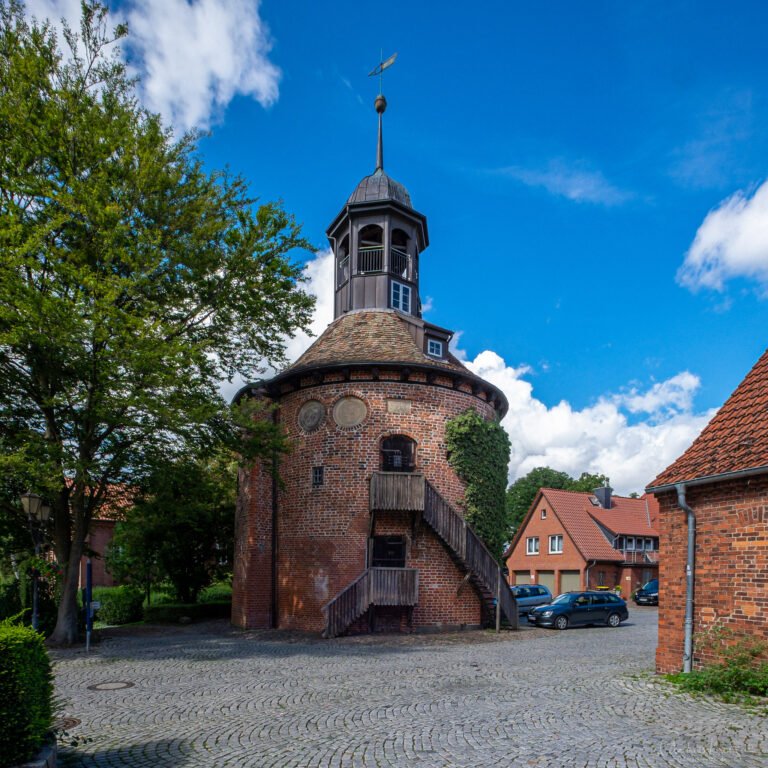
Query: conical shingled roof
[[379, 186], [365, 336], [735, 440]]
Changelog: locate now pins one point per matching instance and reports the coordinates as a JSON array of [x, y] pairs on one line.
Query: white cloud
[[598, 438], [731, 242], [192, 56], [574, 183]]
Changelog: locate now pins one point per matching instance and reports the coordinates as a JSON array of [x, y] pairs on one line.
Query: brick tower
[[366, 530]]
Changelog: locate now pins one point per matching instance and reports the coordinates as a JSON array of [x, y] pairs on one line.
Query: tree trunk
[[66, 630]]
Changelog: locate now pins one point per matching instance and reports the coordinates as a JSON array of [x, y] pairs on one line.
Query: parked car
[[529, 596], [578, 608], [648, 594]]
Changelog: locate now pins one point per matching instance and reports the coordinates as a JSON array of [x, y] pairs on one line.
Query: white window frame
[[543, 513], [434, 347], [631, 544], [532, 545], [403, 299], [554, 540]]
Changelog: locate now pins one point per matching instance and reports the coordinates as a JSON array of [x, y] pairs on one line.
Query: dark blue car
[[580, 608], [648, 594]]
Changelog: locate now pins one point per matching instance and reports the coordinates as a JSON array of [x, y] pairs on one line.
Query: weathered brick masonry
[[731, 567], [323, 530]]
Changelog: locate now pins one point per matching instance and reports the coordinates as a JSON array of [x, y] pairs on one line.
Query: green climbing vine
[[478, 450]]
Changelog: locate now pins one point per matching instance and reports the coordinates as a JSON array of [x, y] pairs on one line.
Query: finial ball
[[380, 104]]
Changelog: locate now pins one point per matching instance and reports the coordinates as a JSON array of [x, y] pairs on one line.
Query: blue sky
[[592, 175]]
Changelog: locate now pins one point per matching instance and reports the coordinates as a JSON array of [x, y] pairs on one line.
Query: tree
[[478, 450], [181, 527], [522, 492], [132, 281]]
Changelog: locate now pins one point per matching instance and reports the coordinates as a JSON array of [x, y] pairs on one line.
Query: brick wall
[[323, 531], [100, 534], [731, 572]]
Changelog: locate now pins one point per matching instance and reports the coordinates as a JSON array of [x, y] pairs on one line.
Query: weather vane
[[381, 66]]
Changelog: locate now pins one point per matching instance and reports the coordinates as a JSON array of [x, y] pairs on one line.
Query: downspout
[[273, 608], [586, 574], [689, 567]]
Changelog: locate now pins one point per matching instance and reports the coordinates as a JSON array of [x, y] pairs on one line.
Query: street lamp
[[37, 514]]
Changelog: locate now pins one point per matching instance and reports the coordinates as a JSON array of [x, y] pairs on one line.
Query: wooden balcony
[[397, 491]]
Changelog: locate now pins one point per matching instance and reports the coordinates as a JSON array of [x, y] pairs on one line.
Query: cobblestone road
[[206, 695]]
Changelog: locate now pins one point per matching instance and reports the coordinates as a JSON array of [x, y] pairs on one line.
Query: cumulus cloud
[[578, 183], [192, 56], [598, 438], [731, 242]]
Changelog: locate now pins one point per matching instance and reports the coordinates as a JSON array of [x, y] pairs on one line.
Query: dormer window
[[434, 348], [400, 297]]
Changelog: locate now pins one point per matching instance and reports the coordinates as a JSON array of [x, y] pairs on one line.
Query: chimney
[[603, 495]]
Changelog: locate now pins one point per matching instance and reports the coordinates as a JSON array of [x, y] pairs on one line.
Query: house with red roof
[[571, 540], [713, 525]]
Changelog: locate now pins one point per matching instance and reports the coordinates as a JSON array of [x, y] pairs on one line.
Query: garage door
[[547, 578], [522, 577], [570, 581]]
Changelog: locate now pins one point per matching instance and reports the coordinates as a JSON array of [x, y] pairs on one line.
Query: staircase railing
[[374, 586], [454, 531]]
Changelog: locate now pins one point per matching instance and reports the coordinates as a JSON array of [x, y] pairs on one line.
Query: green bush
[[26, 693], [10, 599], [119, 605], [174, 612], [216, 593]]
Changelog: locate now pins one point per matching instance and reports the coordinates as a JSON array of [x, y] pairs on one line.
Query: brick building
[[366, 531], [714, 516], [570, 540]]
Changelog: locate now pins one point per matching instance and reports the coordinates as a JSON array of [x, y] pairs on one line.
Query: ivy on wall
[[478, 450]]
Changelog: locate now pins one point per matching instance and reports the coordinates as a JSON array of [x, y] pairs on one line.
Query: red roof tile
[[736, 439]]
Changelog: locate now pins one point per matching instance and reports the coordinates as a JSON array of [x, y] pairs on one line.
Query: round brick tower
[[365, 531]]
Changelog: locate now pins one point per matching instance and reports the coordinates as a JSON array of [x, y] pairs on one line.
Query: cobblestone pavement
[[206, 695]]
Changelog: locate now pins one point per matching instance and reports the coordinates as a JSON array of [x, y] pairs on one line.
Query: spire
[[381, 105]]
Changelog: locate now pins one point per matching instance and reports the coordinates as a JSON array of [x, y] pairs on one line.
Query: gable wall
[[731, 571]]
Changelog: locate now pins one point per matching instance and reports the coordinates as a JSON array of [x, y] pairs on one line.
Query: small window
[[543, 513], [556, 544], [401, 297], [601, 578], [435, 348], [318, 475], [631, 543], [388, 552], [532, 545]]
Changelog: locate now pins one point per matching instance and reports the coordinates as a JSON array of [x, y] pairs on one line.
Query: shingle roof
[[627, 517], [736, 439], [370, 336]]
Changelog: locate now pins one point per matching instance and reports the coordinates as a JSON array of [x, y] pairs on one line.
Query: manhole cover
[[116, 685], [66, 723]]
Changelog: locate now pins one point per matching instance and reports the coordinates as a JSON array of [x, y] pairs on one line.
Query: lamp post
[[37, 514]]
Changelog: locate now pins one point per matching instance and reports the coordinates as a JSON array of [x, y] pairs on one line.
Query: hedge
[[119, 605], [174, 612], [26, 693]]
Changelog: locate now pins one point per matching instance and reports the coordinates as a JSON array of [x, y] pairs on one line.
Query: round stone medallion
[[349, 411], [311, 415]]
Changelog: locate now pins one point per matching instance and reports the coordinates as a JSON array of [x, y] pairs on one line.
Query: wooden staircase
[[374, 586], [412, 492]]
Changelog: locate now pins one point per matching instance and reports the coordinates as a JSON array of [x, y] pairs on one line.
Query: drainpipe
[[586, 574], [689, 566]]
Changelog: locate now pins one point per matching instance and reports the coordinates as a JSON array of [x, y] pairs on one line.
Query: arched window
[[370, 249], [342, 262], [398, 454], [399, 253]]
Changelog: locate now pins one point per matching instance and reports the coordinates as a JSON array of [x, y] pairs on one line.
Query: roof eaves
[[706, 479]]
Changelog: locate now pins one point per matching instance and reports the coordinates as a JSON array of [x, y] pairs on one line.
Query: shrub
[[26, 693], [119, 605], [216, 593], [10, 599], [174, 612]]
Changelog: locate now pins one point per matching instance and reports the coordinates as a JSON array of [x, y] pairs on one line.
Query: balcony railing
[[397, 491], [640, 557], [370, 259], [398, 262]]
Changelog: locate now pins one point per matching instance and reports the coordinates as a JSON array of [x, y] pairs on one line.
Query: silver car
[[529, 596]]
